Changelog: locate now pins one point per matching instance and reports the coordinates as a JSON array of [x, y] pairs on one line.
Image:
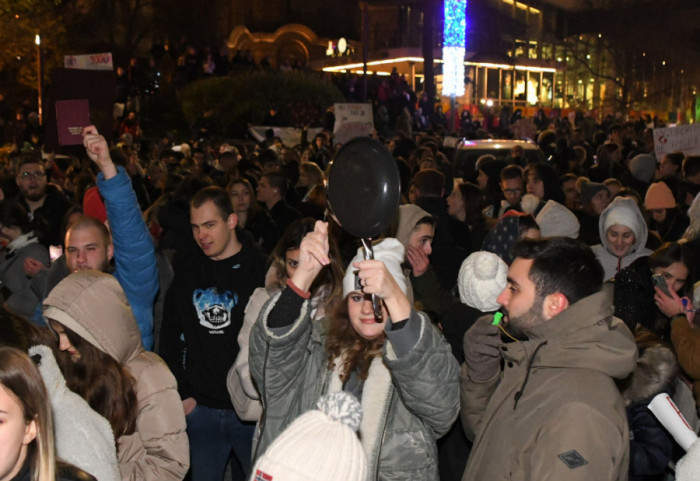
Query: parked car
[[463, 152]]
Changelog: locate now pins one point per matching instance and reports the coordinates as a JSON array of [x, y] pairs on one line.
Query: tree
[[122, 27], [642, 51], [21, 20], [234, 102]]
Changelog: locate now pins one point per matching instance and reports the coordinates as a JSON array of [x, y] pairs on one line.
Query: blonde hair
[[20, 376], [313, 171]]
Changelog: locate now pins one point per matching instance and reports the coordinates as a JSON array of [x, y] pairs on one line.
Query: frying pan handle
[[376, 302]]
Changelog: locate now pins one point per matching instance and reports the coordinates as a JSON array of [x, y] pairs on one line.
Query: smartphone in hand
[[659, 281]]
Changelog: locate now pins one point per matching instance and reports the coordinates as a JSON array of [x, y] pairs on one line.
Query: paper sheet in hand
[[71, 117], [670, 416]]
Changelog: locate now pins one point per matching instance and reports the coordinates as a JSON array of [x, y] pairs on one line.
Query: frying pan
[[363, 192]]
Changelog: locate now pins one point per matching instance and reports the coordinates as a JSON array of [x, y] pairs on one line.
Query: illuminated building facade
[[525, 54]]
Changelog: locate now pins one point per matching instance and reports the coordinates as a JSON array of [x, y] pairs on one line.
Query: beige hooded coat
[[94, 306]]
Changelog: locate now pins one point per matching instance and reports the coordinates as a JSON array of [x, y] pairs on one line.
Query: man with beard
[[545, 405], [91, 245], [45, 203]]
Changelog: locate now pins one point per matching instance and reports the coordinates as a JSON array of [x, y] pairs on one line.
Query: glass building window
[[547, 90], [533, 87], [507, 85], [532, 51], [492, 78], [520, 86], [547, 51], [481, 82]]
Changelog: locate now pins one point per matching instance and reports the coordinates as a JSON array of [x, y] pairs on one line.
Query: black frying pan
[[363, 191]]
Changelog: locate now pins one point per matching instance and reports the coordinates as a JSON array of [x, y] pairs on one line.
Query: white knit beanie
[[622, 213], [321, 444], [391, 252], [482, 278]]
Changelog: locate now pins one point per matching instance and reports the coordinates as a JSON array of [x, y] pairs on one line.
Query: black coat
[[47, 220], [634, 298], [447, 256]]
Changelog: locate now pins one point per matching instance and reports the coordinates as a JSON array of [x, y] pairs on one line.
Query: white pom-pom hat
[[320, 445], [482, 278]]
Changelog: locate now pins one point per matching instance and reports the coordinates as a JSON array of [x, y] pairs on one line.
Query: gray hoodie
[[621, 211]]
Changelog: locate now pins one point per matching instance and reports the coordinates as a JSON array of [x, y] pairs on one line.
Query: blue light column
[[454, 42]]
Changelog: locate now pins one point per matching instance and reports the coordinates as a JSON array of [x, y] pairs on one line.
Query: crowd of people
[[179, 310]]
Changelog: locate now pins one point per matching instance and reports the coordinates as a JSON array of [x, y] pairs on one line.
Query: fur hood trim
[[375, 405], [655, 372]]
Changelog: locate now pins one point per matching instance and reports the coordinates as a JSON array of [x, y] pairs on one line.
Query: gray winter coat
[[408, 401], [22, 299]]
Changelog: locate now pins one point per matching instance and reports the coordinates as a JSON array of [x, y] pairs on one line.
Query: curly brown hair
[[341, 338]]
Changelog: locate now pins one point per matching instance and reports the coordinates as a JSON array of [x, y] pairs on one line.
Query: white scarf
[[21, 241]]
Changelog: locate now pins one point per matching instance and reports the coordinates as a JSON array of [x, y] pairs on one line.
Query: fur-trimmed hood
[[655, 372]]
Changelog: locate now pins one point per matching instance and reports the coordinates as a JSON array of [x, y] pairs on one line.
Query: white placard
[[93, 61], [683, 138], [290, 136], [670, 416], [352, 120]]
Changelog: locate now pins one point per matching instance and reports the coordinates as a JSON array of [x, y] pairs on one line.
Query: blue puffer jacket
[[134, 255], [408, 401]]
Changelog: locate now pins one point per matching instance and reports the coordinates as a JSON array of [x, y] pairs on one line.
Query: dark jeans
[[214, 435]]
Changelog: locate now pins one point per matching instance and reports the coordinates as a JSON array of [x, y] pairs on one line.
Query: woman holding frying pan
[[401, 369]]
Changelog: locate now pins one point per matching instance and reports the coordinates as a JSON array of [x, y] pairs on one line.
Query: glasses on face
[[513, 191], [32, 175]]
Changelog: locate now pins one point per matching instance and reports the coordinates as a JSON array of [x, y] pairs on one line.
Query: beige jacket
[[244, 394], [94, 306]]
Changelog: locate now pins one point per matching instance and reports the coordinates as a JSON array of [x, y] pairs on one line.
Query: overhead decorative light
[[453, 50]]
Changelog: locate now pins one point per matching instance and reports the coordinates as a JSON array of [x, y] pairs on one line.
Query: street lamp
[[39, 73]]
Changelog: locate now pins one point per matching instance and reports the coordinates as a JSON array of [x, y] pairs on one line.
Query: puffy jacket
[[94, 306], [134, 254], [408, 401], [244, 393], [555, 411], [240, 385]]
